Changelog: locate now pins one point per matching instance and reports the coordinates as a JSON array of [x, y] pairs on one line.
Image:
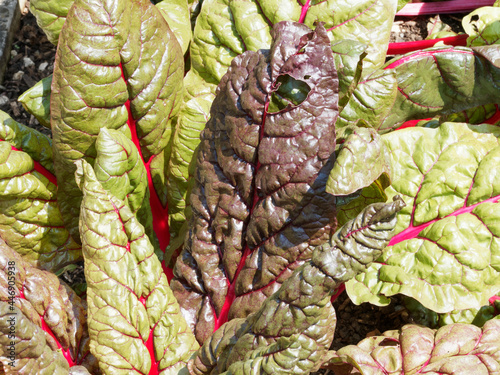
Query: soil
[[32, 59]]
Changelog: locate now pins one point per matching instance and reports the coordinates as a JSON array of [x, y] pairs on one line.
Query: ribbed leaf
[[227, 28], [50, 16], [293, 329], [362, 159], [30, 221], [135, 323], [459, 349], [176, 12], [50, 319], [446, 253], [350, 206], [190, 121], [425, 84], [482, 26], [124, 74], [37, 101], [119, 169]]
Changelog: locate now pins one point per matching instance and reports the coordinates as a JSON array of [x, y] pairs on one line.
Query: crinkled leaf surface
[[29, 340], [227, 28], [119, 169], [350, 206], [425, 84], [51, 15], [446, 253], [118, 66], [44, 307], [458, 349], [293, 329], [135, 323], [30, 221], [37, 101], [429, 318], [176, 12], [482, 26], [362, 159], [192, 117], [259, 201]]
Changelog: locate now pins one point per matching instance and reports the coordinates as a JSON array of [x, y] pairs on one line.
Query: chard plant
[[226, 168]]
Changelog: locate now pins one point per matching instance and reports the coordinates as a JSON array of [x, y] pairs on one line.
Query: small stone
[[27, 62], [18, 76], [13, 53], [3, 100], [43, 66]]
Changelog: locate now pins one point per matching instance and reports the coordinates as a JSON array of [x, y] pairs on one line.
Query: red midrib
[[230, 296], [413, 231], [160, 221], [65, 352], [160, 213]]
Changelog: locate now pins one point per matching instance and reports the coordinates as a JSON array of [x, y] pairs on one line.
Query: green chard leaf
[[50, 16], [227, 28], [363, 148], [482, 26], [460, 349], [46, 320], [446, 252], [438, 81], [293, 329], [119, 169], [192, 117], [176, 13], [30, 221], [135, 323], [37, 101], [124, 75], [259, 202]]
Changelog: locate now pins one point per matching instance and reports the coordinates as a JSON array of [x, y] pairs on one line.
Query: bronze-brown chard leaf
[[259, 201]]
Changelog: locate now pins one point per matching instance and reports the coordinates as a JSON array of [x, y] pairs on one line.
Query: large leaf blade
[[30, 220], [125, 75], [249, 188], [446, 252], [135, 323]]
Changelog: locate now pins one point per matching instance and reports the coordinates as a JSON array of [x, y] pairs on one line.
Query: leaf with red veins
[[293, 329], [453, 349], [30, 221], [423, 84], [135, 323], [49, 305], [118, 66], [225, 29], [446, 251], [259, 202]]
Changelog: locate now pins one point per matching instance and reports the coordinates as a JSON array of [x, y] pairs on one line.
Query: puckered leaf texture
[[30, 220], [135, 323], [259, 201], [293, 329], [446, 253], [118, 66], [438, 81], [456, 349], [45, 319]]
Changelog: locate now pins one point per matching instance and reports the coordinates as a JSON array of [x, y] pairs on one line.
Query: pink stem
[[443, 7], [406, 47]]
